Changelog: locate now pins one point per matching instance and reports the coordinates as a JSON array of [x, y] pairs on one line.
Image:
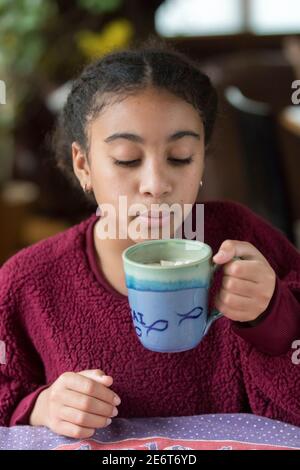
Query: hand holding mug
[[248, 283]]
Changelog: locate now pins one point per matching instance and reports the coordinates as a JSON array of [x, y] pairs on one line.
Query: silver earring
[[201, 184]]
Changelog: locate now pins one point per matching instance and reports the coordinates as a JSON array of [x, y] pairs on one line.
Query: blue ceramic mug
[[168, 301]]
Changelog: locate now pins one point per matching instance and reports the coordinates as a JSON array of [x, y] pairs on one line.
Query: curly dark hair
[[123, 73]]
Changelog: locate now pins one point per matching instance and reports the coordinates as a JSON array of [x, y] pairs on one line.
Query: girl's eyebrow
[[138, 139]]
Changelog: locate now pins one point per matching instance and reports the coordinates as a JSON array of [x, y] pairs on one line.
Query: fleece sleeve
[[272, 383], [21, 369], [279, 325], [269, 362]]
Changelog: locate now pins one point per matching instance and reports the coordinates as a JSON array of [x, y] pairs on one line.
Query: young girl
[[136, 124]]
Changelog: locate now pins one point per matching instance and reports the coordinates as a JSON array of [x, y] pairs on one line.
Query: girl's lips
[[155, 221], [155, 214]]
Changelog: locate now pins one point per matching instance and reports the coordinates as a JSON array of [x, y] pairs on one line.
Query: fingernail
[[102, 378], [115, 412], [220, 254], [117, 400], [108, 422]]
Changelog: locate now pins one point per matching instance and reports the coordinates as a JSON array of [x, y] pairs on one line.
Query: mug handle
[[215, 314]]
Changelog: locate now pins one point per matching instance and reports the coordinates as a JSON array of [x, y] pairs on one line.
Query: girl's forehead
[[136, 99], [147, 107]]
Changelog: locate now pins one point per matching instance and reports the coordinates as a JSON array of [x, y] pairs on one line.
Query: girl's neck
[[109, 258]]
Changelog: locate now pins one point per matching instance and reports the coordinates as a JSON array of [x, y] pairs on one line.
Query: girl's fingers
[[86, 386], [88, 404], [248, 270], [239, 286], [236, 302], [73, 430], [237, 248], [98, 375], [82, 418], [232, 314]]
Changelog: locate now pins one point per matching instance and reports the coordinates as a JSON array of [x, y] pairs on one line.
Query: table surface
[[290, 119], [212, 432]]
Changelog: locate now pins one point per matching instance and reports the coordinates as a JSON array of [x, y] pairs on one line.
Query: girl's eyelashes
[[181, 161], [126, 163], [175, 161]]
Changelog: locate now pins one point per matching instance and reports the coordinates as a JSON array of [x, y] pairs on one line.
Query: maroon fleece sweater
[[58, 313]]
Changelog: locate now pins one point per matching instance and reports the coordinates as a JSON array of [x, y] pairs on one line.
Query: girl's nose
[[155, 185]]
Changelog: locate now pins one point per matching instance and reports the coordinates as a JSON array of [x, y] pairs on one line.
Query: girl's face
[[148, 147]]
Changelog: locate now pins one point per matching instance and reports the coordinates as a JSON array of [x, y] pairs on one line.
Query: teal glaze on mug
[[169, 304]]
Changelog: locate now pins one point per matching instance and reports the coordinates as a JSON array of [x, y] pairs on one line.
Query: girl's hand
[[76, 404], [248, 284]]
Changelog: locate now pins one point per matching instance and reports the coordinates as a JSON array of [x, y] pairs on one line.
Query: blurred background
[[249, 48]]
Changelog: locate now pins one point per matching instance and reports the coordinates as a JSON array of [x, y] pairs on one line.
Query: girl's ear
[[80, 164]]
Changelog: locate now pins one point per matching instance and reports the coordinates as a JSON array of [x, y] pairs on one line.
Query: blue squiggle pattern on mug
[[164, 325], [139, 318], [189, 315]]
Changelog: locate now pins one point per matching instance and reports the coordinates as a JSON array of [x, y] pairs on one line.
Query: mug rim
[[171, 240]]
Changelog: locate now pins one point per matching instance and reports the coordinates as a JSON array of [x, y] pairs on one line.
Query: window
[[275, 16], [194, 17], [212, 17]]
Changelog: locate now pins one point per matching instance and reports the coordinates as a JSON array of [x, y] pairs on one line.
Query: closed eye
[[181, 161], [126, 163], [175, 161]]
